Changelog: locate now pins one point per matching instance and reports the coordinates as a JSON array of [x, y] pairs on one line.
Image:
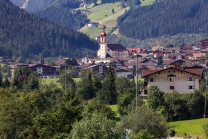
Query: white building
[[109, 51], [182, 80]]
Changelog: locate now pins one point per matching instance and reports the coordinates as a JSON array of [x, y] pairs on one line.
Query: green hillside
[[103, 14], [189, 127]]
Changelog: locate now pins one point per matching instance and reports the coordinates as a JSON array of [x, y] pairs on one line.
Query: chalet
[[43, 70], [98, 70], [123, 73], [182, 80]]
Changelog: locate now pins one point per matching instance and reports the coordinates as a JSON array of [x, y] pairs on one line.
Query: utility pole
[[205, 97], [65, 59], [137, 55]]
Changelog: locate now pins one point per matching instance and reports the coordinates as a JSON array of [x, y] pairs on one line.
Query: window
[[171, 87], [151, 79], [190, 87], [171, 79], [190, 79]]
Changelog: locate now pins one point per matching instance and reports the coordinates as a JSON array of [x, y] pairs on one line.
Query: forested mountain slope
[[166, 17], [27, 35], [63, 14], [33, 5]]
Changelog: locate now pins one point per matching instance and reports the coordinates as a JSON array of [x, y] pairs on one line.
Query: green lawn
[[190, 127], [115, 109]]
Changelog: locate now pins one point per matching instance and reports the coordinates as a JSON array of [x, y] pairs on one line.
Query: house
[[134, 50], [43, 70], [122, 73], [109, 51], [197, 55], [159, 48], [98, 70], [204, 43], [92, 24], [182, 80], [14, 66]]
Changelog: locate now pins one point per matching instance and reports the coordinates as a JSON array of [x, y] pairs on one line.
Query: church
[[108, 52]]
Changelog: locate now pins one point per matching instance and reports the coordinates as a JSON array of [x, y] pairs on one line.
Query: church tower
[[102, 52]]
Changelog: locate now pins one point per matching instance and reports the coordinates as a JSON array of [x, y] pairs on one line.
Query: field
[[55, 81], [146, 2], [189, 127]]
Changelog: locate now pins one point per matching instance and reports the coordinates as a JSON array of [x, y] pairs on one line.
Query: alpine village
[[103, 69]]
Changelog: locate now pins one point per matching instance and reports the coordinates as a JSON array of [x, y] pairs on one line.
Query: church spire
[[103, 31]]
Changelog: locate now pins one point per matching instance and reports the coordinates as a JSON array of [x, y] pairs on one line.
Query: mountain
[[38, 5], [63, 13], [33, 5], [28, 36], [165, 18]]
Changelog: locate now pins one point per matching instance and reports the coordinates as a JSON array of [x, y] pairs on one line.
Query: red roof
[[103, 33], [192, 70], [134, 50]]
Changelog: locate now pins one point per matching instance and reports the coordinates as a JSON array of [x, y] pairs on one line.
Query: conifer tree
[[88, 87], [109, 88]]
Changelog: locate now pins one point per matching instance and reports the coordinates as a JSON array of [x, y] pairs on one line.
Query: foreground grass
[[189, 127], [114, 108]]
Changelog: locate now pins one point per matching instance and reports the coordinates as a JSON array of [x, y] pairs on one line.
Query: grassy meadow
[[189, 127], [146, 2], [103, 14]]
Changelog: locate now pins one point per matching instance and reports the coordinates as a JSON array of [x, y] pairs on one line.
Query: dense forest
[[28, 36], [33, 5], [63, 14], [166, 17]]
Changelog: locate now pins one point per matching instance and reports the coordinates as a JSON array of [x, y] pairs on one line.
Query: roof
[[134, 50], [122, 70], [107, 55], [103, 32], [199, 54], [191, 70], [116, 47], [167, 61]]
